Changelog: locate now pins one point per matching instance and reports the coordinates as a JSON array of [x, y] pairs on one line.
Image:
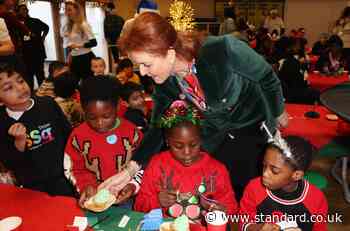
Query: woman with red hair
[[233, 87]]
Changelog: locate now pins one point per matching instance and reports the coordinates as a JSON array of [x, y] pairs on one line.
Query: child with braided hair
[[281, 199], [184, 180]]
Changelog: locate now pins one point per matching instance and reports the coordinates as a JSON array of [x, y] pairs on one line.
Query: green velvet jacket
[[240, 89]]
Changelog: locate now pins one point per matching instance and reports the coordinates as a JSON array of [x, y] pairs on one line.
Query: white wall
[[316, 16]]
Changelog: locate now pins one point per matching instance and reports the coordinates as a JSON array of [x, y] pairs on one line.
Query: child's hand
[[19, 132], [88, 192], [263, 227], [215, 206], [270, 227], [126, 193], [167, 198]]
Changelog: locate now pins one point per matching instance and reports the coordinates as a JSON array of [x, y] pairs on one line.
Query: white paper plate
[[10, 223]]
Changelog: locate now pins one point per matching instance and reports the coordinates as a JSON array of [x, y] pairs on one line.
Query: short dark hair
[[12, 67], [110, 5], [335, 40], [168, 132], [301, 151], [65, 85], [100, 88], [98, 58], [128, 89], [124, 63], [21, 5], [55, 65]]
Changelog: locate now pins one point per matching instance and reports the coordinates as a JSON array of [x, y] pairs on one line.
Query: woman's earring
[[173, 58]]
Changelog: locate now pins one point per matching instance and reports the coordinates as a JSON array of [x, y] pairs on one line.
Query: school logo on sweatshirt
[[43, 134]]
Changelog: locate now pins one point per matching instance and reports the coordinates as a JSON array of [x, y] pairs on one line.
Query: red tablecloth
[[321, 82], [318, 131], [39, 211]]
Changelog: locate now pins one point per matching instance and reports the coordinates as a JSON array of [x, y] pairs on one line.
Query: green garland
[[176, 115]]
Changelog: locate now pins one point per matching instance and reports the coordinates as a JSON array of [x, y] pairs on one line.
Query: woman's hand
[[118, 181], [19, 132], [126, 193], [88, 192], [167, 198]]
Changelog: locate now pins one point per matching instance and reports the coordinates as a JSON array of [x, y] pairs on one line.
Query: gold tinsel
[[181, 16]]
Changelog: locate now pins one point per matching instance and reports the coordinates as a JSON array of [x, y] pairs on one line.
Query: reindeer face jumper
[[92, 157], [163, 169]]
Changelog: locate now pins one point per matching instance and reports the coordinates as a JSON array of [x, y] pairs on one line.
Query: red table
[[318, 131], [39, 211], [322, 82]]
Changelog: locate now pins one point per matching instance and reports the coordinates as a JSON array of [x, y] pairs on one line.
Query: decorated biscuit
[[101, 201]]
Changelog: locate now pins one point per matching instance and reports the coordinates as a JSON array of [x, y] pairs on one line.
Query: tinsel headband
[[179, 111], [278, 141]]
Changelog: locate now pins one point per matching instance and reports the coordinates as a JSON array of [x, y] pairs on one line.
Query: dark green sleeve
[[153, 141], [254, 67], [272, 94]]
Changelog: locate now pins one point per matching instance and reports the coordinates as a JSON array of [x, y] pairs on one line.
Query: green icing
[[193, 200], [202, 188], [181, 223], [102, 196]]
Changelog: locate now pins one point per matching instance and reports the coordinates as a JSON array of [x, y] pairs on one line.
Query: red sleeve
[[322, 210], [147, 198], [224, 192], [74, 163], [248, 205], [318, 206]]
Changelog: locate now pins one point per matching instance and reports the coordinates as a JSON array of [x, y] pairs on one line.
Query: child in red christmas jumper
[[101, 146], [185, 179], [281, 199]]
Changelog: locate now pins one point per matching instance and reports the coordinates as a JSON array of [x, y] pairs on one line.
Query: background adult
[[342, 29], [274, 22], [79, 38], [113, 25], [34, 54], [229, 23]]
